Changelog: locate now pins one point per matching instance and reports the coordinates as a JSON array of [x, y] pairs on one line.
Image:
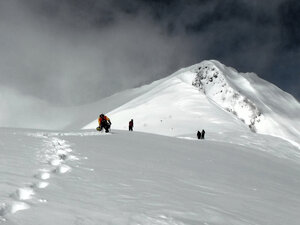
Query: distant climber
[[202, 134], [131, 125], [104, 122], [198, 135]]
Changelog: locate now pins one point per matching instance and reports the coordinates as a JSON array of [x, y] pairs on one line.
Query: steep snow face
[[259, 104], [212, 82], [213, 97]]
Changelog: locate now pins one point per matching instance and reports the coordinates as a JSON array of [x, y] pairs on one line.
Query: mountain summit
[[210, 96], [259, 104]]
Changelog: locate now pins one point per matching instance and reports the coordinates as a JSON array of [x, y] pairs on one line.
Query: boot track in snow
[[54, 158]]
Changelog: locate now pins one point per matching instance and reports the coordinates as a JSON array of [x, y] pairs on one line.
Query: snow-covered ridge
[[212, 96], [261, 105], [214, 83]]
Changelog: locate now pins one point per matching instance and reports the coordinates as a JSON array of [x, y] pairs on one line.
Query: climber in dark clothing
[[202, 134], [131, 125], [198, 135]]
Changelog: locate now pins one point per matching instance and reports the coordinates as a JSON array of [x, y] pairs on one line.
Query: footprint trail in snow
[[54, 158]]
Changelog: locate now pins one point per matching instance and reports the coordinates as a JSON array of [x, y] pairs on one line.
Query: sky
[[73, 52]]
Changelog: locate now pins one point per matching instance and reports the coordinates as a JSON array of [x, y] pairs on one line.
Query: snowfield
[[135, 178], [245, 172]]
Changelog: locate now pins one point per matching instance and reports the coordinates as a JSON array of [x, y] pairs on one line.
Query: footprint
[[63, 169], [12, 208], [24, 193], [17, 206], [42, 184], [55, 162], [43, 175]]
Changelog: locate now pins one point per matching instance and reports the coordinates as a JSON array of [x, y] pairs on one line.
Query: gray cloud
[[74, 52], [70, 60]]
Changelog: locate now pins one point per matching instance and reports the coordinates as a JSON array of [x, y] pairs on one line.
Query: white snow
[[245, 172], [23, 193], [139, 178], [212, 96], [42, 184]]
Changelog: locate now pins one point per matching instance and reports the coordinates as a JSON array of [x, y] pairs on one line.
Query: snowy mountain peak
[[212, 96], [216, 84], [262, 106]]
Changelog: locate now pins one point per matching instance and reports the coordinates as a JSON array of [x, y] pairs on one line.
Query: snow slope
[[87, 177], [212, 96], [245, 172]]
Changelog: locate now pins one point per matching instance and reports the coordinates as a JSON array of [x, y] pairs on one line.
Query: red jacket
[[131, 123], [106, 118]]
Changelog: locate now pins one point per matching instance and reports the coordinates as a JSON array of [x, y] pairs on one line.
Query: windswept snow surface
[[213, 97], [87, 177], [245, 172]]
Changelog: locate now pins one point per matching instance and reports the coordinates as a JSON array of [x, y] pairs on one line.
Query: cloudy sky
[[70, 52]]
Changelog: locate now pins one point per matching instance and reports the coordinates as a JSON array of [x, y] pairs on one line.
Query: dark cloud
[[74, 51], [289, 17], [69, 56]]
